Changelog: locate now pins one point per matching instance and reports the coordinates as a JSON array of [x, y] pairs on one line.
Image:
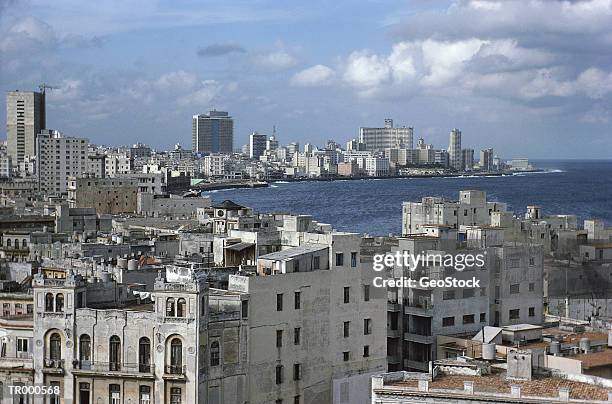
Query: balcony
[[419, 310], [393, 333], [418, 338], [21, 361], [422, 366], [393, 359], [175, 372], [393, 307], [134, 370], [55, 366]]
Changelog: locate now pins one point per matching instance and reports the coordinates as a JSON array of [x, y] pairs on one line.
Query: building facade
[[25, 119], [213, 133], [379, 139]]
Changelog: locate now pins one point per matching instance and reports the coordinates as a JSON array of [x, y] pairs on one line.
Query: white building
[[379, 139], [377, 166], [455, 156], [59, 157]]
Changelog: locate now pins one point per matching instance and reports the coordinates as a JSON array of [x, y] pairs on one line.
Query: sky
[[528, 78]]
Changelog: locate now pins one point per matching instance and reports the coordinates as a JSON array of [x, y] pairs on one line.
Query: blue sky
[[529, 78]]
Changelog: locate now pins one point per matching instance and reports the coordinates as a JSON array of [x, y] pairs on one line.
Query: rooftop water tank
[[132, 264], [585, 345], [554, 348], [488, 352]]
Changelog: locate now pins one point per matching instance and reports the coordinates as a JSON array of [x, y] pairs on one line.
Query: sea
[[374, 206]]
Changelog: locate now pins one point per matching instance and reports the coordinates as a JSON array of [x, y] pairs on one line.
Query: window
[[367, 326], [353, 260], [514, 288], [144, 355], [55, 347], [49, 302], [339, 259], [145, 395], [84, 393], [114, 353], [346, 356], [214, 353], [531, 286], [448, 321], [297, 304], [279, 302], [467, 293], [366, 293], [347, 294], [366, 351], [176, 356], [114, 393], [514, 314], [279, 374], [346, 327], [181, 307], [316, 262], [483, 317], [279, 338], [531, 261], [22, 345], [245, 309], [170, 307], [85, 351], [296, 400], [297, 371], [468, 319], [448, 295], [532, 312], [175, 395]]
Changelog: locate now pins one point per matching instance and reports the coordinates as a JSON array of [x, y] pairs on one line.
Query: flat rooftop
[[293, 252]]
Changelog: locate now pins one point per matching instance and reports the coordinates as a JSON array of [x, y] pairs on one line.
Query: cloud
[[27, 34], [220, 49], [275, 60], [317, 75], [366, 69]]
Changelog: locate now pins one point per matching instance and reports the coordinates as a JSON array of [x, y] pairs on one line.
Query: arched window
[[170, 307], [181, 307], [144, 355], [49, 302], [214, 353], [114, 353], [176, 356], [59, 303], [24, 243], [55, 348], [16, 244], [8, 242], [85, 351]]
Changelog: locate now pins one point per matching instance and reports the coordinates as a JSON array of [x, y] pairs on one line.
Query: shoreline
[[220, 186]]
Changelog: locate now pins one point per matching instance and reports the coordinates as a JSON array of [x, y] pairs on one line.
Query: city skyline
[[429, 65]]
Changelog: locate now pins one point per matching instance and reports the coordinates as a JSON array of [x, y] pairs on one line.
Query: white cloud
[[366, 69], [276, 60], [317, 75]]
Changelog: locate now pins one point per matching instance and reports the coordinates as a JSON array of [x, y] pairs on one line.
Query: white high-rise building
[[454, 150], [379, 139], [59, 157]]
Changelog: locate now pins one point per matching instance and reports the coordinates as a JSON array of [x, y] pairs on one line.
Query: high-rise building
[[59, 158], [257, 145], [486, 159], [467, 159], [454, 150], [379, 139], [25, 118], [213, 132]]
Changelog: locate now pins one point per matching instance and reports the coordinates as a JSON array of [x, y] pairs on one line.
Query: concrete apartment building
[[107, 195], [257, 145], [472, 208], [213, 133], [59, 157], [118, 163], [379, 139], [486, 160], [169, 205], [455, 155], [25, 119]]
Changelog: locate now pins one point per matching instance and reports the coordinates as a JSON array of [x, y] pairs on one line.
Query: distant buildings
[[25, 119], [486, 160], [213, 133], [454, 150], [379, 139]]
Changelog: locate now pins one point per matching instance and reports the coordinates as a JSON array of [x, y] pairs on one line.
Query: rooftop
[[293, 252]]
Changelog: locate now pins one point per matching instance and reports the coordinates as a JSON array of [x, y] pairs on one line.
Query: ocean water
[[582, 188]]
